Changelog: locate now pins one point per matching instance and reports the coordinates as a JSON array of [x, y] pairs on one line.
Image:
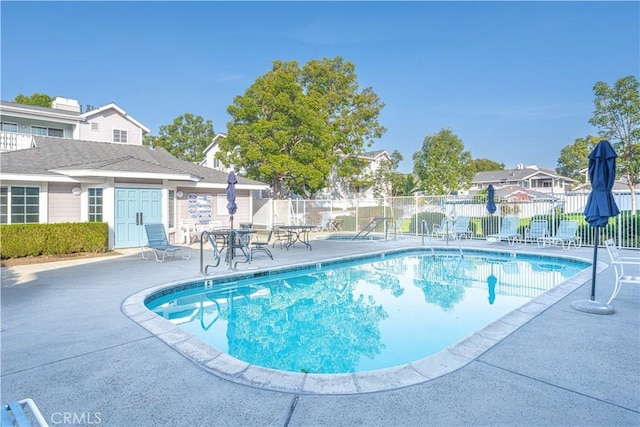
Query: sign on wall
[[200, 207]]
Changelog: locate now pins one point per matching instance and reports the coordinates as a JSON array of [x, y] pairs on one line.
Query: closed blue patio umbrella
[[491, 203], [600, 207], [232, 207], [491, 206]]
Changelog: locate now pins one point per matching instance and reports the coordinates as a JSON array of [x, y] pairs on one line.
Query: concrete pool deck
[[68, 343]]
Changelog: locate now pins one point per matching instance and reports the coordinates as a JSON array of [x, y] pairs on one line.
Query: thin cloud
[[229, 77]]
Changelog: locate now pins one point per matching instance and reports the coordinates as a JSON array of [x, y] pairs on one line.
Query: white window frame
[[9, 123], [47, 131], [121, 133], [9, 204], [89, 204]]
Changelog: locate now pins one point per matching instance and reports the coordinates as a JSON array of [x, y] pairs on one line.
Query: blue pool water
[[359, 315]]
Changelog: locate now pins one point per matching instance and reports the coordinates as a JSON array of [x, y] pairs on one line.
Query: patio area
[[67, 343]]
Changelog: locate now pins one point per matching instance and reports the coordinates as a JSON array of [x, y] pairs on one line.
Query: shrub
[[20, 240]]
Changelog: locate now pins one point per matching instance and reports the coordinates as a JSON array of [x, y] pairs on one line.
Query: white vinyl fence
[[405, 214]]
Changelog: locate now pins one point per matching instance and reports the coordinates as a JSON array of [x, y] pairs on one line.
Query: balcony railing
[[11, 141]]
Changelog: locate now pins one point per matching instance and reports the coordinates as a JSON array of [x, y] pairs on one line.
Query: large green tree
[[442, 165], [186, 138], [574, 159], [37, 99], [293, 125], [486, 165], [617, 118], [406, 185]]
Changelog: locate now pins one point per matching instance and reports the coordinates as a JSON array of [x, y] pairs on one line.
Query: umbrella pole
[[595, 261], [230, 249], [591, 305]]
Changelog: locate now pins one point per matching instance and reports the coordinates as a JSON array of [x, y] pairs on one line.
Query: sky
[[513, 80]]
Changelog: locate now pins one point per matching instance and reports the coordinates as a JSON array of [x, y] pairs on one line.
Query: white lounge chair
[[566, 235], [158, 243], [443, 228], [537, 229], [619, 262], [508, 230], [461, 228]]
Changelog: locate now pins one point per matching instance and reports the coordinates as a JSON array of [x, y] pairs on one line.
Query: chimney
[[65, 104], [520, 166]]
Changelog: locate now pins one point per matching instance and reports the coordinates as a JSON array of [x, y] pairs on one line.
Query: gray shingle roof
[[67, 155]]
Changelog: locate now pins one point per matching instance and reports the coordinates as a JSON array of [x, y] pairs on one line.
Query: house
[[619, 185], [210, 160], [64, 119], [343, 188], [51, 179], [527, 181]]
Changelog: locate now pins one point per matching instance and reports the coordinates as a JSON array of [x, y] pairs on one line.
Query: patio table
[[298, 233]]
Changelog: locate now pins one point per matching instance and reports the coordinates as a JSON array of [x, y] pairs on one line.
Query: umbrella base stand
[[593, 307]]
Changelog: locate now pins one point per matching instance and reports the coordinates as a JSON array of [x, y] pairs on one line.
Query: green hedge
[[20, 240]]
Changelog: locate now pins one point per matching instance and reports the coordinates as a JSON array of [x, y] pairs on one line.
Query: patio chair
[[258, 246], [158, 243], [279, 235], [325, 221], [461, 228], [508, 230], [14, 414], [441, 229], [566, 235], [189, 230], [619, 262], [537, 229]]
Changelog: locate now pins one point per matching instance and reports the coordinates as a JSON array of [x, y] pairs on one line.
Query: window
[[44, 131], [3, 205], [172, 204], [37, 130], [119, 135], [216, 163], [9, 127], [95, 126], [23, 203], [95, 204]]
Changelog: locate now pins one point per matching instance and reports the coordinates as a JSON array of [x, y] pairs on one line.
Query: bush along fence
[[407, 213]]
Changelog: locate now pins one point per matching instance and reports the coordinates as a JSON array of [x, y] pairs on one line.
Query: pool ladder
[[425, 232]]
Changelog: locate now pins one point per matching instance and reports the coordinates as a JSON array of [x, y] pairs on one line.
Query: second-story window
[[119, 135], [9, 127], [45, 131]]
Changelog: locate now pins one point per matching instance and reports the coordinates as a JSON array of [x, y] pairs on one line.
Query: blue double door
[[135, 207]]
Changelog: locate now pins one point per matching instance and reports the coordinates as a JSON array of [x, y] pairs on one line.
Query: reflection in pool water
[[361, 315]]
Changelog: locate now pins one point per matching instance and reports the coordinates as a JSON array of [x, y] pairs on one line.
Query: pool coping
[[444, 362]]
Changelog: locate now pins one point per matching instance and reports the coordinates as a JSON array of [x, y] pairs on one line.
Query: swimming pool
[[359, 315]]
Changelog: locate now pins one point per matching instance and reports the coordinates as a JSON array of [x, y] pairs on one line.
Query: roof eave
[[126, 174]]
